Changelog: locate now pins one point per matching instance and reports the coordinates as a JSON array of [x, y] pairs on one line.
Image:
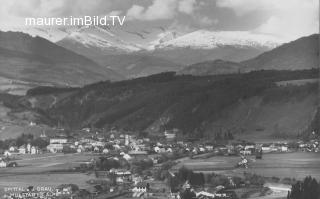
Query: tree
[[173, 183], [39, 142], [187, 194], [308, 189]]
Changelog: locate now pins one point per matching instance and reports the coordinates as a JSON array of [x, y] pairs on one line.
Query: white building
[[284, 148], [3, 164], [141, 187], [169, 135], [34, 150], [13, 149], [55, 147], [105, 151], [58, 140], [7, 153]]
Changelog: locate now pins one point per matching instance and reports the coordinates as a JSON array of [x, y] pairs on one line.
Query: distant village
[[131, 162]]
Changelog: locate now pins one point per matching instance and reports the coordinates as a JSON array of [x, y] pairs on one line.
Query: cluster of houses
[[310, 146], [24, 149], [218, 193]]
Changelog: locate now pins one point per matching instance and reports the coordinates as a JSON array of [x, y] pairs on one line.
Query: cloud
[[288, 19], [187, 6], [13, 12], [241, 7], [206, 21], [115, 12], [159, 9], [48, 8], [135, 12]]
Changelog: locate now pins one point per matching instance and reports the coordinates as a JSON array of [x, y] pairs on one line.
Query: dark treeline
[[43, 90], [196, 179], [309, 188]]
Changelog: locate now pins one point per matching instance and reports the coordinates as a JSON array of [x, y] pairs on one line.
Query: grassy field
[[46, 162], [297, 165], [45, 170]]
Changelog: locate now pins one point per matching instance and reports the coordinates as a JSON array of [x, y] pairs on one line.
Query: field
[[45, 170], [294, 165], [297, 82]]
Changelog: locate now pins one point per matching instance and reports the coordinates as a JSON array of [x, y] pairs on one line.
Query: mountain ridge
[[24, 57], [299, 54]]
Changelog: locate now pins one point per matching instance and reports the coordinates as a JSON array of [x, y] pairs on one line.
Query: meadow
[[293, 165]]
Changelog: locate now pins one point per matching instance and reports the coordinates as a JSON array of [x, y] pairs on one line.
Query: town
[[128, 165]]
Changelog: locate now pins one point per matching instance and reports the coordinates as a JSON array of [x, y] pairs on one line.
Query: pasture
[[294, 165], [45, 170]]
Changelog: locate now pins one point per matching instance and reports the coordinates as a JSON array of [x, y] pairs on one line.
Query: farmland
[[297, 165], [45, 170]]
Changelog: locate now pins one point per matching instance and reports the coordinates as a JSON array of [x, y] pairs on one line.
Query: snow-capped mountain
[[98, 40], [52, 34], [132, 52], [205, 45], [162, 38], [111, 50], [205, 39]]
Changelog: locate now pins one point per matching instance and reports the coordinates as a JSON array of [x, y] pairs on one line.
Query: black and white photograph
[[159, 99]]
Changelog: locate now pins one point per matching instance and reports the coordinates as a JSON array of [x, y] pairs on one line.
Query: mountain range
[[85, 55], [302, 53], [245, 98], [35, 59], [168, 52], [175, 47]]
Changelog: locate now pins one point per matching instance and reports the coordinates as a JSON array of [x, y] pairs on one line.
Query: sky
[[286, 19]]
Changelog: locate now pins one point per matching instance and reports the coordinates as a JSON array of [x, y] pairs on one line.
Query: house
[[206, 195], [274, 147], [13, 149], [137, 179], [127, 157], [169, 150], [64, 190], [245, 152], [98, 144], [43, 135], [105, 151], [96, 149], [158, 149], [170, 135], [121, 175], [174, 195], [55, 147], [202, 149], [28, 148], [3, 164], [22, 149], [127, 139], [250, 147], [138, 154], [209, 147], [284, 148], [141, 187], [34, 150], [7, 153], [58, 140], [266, 148]]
